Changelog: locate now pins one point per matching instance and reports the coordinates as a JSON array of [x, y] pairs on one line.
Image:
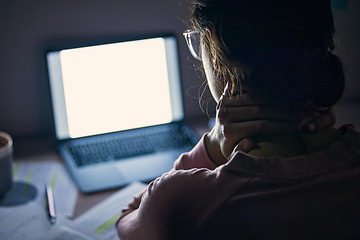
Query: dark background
[[28, 28]]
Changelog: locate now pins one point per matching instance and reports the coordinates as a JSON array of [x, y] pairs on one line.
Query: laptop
[[118, 110]]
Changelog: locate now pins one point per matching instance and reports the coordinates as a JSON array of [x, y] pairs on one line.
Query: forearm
[[126, 226], [131, 225], [146, 220], [131, 207]]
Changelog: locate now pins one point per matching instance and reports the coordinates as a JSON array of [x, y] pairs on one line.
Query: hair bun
[[324, 80]]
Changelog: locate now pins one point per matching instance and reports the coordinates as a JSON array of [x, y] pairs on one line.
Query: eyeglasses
[[193, 41]]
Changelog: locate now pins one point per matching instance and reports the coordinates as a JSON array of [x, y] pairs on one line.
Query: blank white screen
[[115, 87]]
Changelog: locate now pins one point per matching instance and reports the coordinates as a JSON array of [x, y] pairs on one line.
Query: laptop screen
[[117, 86]]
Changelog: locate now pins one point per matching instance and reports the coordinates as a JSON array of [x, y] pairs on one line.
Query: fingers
[[245, 145], [240, 118], [324, 120], [234, 132], [237, 136], [255, 112], [251, 121], [242, 108]]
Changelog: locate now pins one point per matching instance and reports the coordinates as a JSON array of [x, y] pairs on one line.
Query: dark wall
[[27, 28], [347, 23]]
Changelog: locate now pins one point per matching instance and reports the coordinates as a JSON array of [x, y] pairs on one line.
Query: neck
[[292, 145]]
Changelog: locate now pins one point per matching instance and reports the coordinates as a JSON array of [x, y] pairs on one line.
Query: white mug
[[6, 158]]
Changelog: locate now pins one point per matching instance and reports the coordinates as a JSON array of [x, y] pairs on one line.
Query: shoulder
[[196, 158], [190, 191], [178, 182]]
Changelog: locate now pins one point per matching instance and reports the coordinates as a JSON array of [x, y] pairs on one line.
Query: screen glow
[[115, 87]]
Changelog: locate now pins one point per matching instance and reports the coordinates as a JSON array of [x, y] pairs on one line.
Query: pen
[[50, 203]]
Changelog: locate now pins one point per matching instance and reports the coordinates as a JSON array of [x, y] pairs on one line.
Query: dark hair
[[281, 50]]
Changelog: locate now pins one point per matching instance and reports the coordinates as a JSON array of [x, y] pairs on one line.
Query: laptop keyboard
[[136, 143]]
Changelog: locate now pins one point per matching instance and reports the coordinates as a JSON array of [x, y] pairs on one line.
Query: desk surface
[[41, 149], [84, 201]]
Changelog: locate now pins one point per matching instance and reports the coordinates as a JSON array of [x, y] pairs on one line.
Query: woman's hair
[[279, 50]]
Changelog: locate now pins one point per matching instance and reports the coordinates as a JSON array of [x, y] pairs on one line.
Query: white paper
[[30, 220], [26, 222], [23, 214], [100, 220], [29, 178], [66, 233]]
